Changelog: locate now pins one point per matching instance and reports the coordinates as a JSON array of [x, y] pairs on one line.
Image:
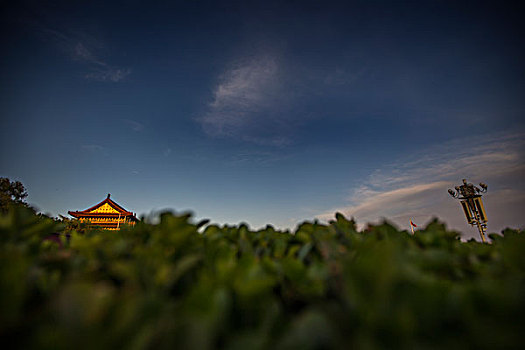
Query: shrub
[[175, 284]]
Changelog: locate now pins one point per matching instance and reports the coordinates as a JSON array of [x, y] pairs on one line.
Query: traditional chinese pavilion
[[106, 214]]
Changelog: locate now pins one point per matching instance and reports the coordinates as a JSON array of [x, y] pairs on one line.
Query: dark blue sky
[[265, 112]]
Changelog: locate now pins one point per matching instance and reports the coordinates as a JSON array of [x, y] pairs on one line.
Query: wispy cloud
[[82, 53], [93, 148], [416, 187], [134, 125], [373, 204], [341, 77], [263, 98], [83, 48], [260, 158], [248, 103], [108, 74]]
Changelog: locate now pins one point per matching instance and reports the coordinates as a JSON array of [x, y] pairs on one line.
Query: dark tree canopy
[[11, 193]]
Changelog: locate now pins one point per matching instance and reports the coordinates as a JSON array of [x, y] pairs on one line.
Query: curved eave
[[81, 214], [109, 225]]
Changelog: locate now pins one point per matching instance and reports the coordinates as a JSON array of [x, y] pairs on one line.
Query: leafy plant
[[183, 285]]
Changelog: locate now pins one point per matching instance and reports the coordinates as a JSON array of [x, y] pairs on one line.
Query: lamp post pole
[[470, 199]]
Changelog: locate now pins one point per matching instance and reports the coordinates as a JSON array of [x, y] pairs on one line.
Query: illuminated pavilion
[[107, 215]]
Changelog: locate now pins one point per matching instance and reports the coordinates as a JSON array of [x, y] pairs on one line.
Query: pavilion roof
[[107, 207]]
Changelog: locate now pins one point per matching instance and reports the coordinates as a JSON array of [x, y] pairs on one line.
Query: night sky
[[266, 112]]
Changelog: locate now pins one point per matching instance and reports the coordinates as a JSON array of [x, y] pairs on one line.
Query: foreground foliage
[[178, 285]]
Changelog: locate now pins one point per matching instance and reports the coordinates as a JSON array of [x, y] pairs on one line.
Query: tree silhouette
[[11, 193]]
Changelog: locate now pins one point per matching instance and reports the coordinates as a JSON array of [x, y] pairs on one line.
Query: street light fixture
[[470, 198]]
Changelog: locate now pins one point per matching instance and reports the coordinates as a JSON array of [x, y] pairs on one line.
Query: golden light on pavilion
[[107, 215]]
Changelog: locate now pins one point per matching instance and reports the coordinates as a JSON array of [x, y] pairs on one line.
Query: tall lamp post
[[470, 198]]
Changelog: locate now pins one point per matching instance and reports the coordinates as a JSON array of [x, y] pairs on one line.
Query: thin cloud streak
[[77, 48], [417, 188], [134, 125], [494, 157], [108, 74], [93, 148], [409, 196]]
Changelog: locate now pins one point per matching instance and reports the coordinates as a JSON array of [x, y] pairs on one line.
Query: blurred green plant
[[177, 284]]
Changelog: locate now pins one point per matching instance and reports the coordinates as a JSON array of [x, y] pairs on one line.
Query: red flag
[[411, 223]]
